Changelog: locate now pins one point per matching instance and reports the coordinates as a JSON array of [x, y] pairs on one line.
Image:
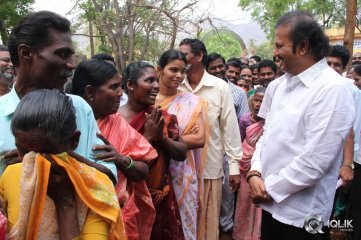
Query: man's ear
[[303, 47], [89, 93], [25, 52], [75, 140]]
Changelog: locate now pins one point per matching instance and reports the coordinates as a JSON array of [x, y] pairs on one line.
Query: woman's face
[[172, 75], [107, 97], [256, 102], [246, 74], [243, 84], [146, 89]]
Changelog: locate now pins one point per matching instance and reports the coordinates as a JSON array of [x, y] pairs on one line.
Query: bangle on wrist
[[252, 173], [131, 164]]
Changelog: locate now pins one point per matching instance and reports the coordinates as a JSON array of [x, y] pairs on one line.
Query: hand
[[194, 129], [153, 127], [234, 181], [258, 190], [111, 154], [346, 174], [60, 188], [11, 157]]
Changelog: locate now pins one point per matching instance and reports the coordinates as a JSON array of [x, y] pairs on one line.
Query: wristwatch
[[351, 165]]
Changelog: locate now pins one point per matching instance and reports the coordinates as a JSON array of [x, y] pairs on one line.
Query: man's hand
[[258, 190], [234, 181], [346, 174]]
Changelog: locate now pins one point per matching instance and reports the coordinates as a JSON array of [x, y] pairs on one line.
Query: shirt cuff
[[233, 168], [256, 166]]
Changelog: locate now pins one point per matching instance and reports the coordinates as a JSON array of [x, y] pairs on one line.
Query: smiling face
[[6, 65], [147, 88], [107, 97], [246, 74], [173, 74], [51, 65], [233, 74], [335, 63], [217, 68], [266, 75], [284, 50]]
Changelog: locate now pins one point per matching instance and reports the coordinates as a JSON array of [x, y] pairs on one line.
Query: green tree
[[267, 12], [224, 44], [11, 11]]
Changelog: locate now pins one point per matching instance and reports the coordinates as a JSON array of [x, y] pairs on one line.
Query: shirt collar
[[205, 81], [11, 101], [310, 74]]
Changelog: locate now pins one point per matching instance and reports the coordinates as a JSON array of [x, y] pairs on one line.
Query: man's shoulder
[[79, 103]]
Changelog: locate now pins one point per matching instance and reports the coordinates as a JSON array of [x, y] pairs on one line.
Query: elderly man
[[41, 48], [297, 160], [7, 71], [224, 133]]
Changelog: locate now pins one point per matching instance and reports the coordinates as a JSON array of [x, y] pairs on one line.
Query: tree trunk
[[91, 38], [130, 18], [3, 33], [351, 8]]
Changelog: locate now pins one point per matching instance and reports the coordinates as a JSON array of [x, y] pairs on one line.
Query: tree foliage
[[135, 29], [11, 11], [266, 12]]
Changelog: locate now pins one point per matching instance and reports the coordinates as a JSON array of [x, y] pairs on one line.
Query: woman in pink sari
[[98, 83], [186, 176], [247, 222]]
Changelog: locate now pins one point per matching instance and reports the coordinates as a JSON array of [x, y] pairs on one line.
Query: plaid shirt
[[240, 100]]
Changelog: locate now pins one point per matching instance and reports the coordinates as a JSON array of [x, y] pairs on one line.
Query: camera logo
[[313, 224]]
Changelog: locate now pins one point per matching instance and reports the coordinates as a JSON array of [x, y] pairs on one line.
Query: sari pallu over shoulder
[[187, 176], [134, 197], [167, 225]]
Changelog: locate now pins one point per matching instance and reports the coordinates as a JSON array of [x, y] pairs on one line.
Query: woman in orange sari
[[99, 83], [160, 129], [247, 223], [187, 176], [50, 195]]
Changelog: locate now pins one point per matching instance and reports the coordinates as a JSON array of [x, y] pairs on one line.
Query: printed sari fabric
[[137, 206], [167, 224], [187, 176], [247, 224], [37, 214]]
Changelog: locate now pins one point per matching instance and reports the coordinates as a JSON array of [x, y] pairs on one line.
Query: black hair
[[267, 63], [197, 46], [357, 69], [305, 28], [247, 67], [256, 58], [213, 57], [33, 30], [48, 113], [3, 48], [260, 90], [133, 72], [169, 56], [104, 57], [339, 51], [252, 67], [234, 62], [92, 72]]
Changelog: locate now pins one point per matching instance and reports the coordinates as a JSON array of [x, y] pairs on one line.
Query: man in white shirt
[[338, 58], [224, 136], [297, 160]]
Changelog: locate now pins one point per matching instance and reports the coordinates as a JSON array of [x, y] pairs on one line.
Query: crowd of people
[[193, 147]]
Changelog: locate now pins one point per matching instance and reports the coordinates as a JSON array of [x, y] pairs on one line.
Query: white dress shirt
[[224, 137], [300, 152]]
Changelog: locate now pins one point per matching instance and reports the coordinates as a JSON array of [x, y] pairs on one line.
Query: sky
[[227, 10]]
